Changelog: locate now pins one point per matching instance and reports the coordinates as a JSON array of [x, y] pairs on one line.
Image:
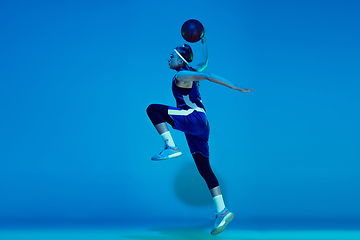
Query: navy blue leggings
[[159, 114], [203, 166]]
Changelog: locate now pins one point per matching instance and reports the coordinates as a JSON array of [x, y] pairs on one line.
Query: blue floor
[[171, 234], [169, 231]]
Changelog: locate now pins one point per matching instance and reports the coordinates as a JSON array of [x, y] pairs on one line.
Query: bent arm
[[190, 76], [205, 58]]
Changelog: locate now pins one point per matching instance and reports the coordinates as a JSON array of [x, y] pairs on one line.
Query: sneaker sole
[[174, 155], [223, 224]]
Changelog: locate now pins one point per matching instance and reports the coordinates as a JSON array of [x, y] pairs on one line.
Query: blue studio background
[[76, 78]]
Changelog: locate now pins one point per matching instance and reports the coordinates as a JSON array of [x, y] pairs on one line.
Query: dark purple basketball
[[192, 30]]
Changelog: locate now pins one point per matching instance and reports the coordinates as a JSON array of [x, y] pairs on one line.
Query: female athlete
[[190, 117]]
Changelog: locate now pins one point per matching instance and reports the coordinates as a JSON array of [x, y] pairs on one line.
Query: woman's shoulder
[[181, 72]]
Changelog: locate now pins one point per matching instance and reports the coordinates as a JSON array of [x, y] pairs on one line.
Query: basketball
[[192, 30]]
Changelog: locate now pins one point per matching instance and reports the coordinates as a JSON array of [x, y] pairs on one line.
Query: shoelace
[[163, 149]]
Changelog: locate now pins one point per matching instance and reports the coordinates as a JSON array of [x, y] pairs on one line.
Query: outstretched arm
[[205, 58], [190, 76]]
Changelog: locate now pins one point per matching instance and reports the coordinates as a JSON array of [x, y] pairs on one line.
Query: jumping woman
[[190, 117]]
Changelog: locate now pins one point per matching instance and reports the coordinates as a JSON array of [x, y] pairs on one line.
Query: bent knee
[[150, 108]]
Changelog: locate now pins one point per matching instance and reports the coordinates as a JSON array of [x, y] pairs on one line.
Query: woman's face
[[174, 61]]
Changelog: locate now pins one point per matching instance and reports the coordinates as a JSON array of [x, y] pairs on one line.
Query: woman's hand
[[203, 39], [243, 89]]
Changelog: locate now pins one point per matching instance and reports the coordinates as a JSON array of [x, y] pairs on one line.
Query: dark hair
[[186, 52]]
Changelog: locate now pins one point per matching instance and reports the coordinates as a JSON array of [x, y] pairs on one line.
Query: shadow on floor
[[200, 232], [191, 188]]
